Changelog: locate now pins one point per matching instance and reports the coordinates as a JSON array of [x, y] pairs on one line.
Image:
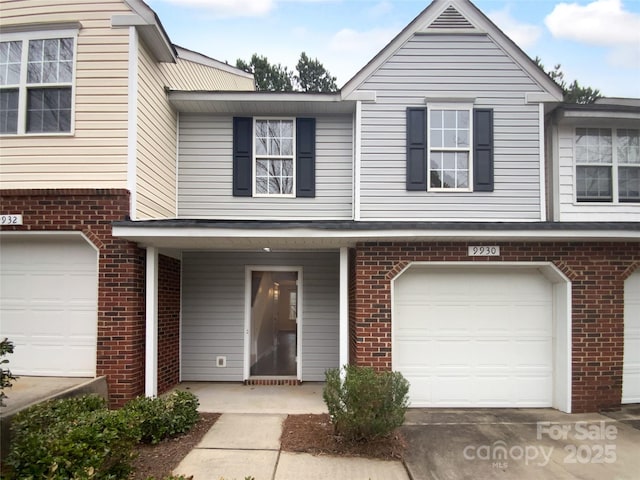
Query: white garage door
[[474, 336], [48, 304], [631, 371]]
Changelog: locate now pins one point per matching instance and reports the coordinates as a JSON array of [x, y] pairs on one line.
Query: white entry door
[[48, 304], [474, 336]]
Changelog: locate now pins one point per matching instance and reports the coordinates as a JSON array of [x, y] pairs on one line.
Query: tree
[[313, 77], [574, 92], [272, 78]]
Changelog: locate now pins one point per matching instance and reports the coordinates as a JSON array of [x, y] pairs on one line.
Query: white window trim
[[25, 37], [255, 158], [614, 165], [450, 106]]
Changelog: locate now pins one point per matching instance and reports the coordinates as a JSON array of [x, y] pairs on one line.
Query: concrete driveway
[[521, 444]]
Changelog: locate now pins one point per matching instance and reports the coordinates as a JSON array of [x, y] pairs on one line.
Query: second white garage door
[[474, 336], [48, 304], [631, 372]]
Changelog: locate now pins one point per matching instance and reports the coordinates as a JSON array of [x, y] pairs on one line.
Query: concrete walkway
[[248, 445]]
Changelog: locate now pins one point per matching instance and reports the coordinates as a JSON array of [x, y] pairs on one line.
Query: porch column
[[151, 350], [344, 306]]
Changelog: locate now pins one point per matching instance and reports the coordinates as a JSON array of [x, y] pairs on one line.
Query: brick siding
[[121, 267], [597, 271], [168, 323]]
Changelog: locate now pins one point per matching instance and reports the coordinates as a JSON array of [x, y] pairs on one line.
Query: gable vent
[[451, 18]]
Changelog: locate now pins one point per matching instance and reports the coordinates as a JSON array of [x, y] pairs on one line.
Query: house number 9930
[[10, 219], [484, 251]]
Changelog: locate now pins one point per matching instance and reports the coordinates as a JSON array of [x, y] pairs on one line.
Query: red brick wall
[[352, 306], [597, 272], [168, 323], [121, 296]]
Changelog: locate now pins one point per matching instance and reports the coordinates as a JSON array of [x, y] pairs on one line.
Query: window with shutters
[[274, 157], [450, 155], [449, 148], [36, 82], [274, 154]]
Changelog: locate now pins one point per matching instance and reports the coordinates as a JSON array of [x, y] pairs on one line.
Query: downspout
[[132, 123]]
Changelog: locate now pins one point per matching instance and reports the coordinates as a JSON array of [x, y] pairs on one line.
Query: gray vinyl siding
[[213, 309], [205, 173], [451, 66]]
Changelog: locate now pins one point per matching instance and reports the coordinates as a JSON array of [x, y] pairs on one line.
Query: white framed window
[[274, 157], [37, 71], [607, 163], [450, 152]]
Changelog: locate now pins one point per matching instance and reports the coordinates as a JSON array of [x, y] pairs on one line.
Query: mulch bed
[[301, 433], [314, 434], [159, 460]]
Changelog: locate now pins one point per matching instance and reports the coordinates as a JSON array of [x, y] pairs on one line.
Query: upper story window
[[274, 166], [607, 165], [449, 149], [274, 157], [36, 82]]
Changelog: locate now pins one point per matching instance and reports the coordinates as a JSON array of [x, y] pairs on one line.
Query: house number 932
[[10, 219], [484, 251]]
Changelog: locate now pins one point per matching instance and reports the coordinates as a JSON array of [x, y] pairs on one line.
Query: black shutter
[[417, 149], [306, 157], [242, 156], [483, 150]]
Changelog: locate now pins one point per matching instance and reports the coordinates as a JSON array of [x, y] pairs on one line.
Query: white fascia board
[[368, 96], [540, 97], [591, 114], [150, 29], [147, 234], [253, 96]]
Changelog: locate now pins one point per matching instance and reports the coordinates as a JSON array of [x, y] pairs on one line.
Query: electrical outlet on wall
[[221, 362]]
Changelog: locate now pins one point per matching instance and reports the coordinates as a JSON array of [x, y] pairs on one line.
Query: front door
[[272, 331]]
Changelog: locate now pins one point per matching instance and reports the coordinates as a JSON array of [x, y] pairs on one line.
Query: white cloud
[[525, 35], [348, 40], [229, 8], [602, 22], [380, 9]]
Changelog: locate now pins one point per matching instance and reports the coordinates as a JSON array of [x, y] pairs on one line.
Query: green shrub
[[6, 377], [166, 416], [366, 404], [75, 438]]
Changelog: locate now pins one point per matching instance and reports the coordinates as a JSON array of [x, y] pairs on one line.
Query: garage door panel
[[631, 369], [49, 305], [488, 331]]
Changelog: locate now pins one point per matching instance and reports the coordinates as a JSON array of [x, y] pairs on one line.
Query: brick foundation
[[597, 271], [121, 267]]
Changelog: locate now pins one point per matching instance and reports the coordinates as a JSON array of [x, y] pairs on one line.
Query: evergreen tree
[[574, 92], [313, 77]]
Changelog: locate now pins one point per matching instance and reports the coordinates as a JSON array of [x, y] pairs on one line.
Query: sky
[[596, 42]]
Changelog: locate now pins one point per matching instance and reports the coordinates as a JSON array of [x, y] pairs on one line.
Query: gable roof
[[455, 16]]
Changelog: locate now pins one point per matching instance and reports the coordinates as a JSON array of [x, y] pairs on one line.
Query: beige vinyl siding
[[95, 155], [157, 125], [156, 148], [188, 75], [440, 68]]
